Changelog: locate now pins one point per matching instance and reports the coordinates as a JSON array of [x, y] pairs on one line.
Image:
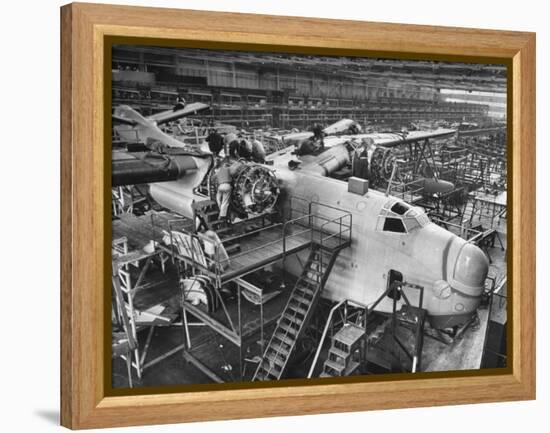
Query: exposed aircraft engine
[[381, 163], [255, 189]]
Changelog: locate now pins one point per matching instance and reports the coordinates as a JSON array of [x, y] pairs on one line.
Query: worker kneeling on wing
[[231, 142], [244, 150], [258, 151]]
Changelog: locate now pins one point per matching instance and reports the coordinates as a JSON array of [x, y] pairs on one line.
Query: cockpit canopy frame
[[397, 216]]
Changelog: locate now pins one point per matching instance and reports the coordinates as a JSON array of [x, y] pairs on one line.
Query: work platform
[[229, 273], [229, 344], [259, 248], [208, 346], [141, 230]]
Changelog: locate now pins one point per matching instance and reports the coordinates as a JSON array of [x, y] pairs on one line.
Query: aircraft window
[[411, 224], [400, 208], [399, 217], [422, 219], [394, 225]]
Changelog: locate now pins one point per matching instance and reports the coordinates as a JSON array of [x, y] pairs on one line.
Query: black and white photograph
[[281, 216]]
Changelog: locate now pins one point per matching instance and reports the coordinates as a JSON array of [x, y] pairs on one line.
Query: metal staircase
[[296, 314], [345, 353], [209, 215]]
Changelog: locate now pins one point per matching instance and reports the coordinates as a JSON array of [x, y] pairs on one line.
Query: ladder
[[346, 344], [208, 213], [296, 314]]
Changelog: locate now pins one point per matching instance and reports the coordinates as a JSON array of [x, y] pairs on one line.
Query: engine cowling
[[382, 160], [255, 189]]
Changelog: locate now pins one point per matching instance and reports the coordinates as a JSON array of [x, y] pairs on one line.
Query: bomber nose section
[[468, 272]]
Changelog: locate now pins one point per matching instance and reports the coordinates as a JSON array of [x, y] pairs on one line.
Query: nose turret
[[457, 289], [468, 271], [456, 297]]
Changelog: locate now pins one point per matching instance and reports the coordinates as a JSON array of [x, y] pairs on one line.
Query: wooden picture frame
[[85, 28]]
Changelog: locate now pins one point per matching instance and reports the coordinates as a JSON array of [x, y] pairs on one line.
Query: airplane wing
[[130, 168], [188, 110], [123, 120], [392, 139], [336, 154], [334, 128]]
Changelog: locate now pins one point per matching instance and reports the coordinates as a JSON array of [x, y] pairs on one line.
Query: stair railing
[[343, 229], [345, 303], [293, 316], [343, 221]]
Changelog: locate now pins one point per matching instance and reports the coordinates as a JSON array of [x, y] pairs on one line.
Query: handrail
[[327, 326], [214, 263], [242, 253], [296, 219], [237, 237], [338, 220], [323, 336]]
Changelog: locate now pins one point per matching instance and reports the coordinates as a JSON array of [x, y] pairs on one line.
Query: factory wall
[[239, 75]]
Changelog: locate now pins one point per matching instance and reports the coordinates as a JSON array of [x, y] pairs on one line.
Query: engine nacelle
[[255, 189], [381, 164]]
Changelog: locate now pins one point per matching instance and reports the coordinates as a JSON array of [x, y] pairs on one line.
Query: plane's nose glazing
[[468, 272]]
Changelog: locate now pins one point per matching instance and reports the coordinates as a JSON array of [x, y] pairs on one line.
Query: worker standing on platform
[[360, 159], [223, 195], [360, 163]]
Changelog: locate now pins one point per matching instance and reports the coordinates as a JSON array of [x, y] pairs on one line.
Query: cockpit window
[[400, 208], [394, 225], [399, 217]]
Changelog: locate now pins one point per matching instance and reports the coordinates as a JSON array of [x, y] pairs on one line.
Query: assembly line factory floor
[[222, 357]]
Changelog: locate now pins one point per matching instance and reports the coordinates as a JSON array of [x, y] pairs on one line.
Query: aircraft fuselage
[[451, 270]]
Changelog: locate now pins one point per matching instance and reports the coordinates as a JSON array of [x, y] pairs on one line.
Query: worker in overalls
[[231, 145], [318, 136], [223, 195], [360, 159], [215, 142], [245, 149], [258, 151], [180, 103]]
